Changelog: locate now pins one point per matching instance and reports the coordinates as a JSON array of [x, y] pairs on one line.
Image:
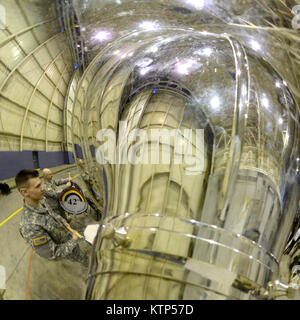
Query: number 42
[[73, 202]]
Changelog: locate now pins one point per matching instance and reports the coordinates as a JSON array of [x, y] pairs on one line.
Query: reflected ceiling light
[[144, 62], [167, 40], [207, 51], [277, 84], [148, 25], [102, 35], [280, 121], [153, 49], [255, 45], [145, 70], [184, 67], [244, 90], [198, 4], [265, 102], [215, 102], [117, 52], [125, 13]]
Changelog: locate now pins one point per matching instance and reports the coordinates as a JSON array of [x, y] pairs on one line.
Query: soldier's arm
[[56, 216], [59, 182], [44, 246], [50, 193]]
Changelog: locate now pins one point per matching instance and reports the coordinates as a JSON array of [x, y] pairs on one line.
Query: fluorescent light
[[215, 102], [103, 35], [255, 45], [198, 4], [148, 25]]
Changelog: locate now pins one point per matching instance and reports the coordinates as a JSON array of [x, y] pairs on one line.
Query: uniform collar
[[40, 209]]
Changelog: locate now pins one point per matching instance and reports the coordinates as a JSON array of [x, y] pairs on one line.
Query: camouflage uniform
[[43, 229], [52, 194], [89, 182]]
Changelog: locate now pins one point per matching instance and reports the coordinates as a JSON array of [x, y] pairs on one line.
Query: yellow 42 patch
[[39, 241]]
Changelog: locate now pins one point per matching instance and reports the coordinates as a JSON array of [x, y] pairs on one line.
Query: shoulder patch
[[39, 241]]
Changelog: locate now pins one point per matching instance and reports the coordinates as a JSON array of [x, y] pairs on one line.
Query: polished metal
[[227, 68]]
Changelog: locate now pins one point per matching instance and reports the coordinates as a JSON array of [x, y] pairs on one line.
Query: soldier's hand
[[75, 236], [67, 225], [69, 184]]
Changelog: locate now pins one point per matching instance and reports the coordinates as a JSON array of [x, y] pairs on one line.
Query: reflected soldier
[[89, 181], [41, 227], [52, 194], [91, 184]]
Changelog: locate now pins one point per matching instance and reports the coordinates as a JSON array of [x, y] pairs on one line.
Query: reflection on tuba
[[210, 217]]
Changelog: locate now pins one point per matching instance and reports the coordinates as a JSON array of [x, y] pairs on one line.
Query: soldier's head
[[30, 186], [80, 163], [47, 174]]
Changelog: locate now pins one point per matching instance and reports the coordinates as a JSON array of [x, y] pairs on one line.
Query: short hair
[[23, 176]]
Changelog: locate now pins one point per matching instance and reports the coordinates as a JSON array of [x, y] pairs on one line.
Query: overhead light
[[198, 4], [207, 51], [255, 45], [144, 62], [185, 66], [103, 35], [215, 102], [145, 70], [153, 49], [244, 90], [265, 102], [148, 25]]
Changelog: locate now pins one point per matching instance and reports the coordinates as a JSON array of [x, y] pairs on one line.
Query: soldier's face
[[49, 176], [34, 190]]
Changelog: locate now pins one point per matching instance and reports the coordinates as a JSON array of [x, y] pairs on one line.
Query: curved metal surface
[[214, 233]]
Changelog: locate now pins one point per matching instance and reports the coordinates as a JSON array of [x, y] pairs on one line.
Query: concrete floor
[[49, 280]]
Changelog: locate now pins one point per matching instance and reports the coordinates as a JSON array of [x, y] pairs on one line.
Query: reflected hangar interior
[[93, 80]]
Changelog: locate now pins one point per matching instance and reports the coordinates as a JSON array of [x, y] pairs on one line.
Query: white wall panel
[[35, 69], [39, 104], [31, 70], [27, 41], [17, 88], [11, 54], [10, 117]]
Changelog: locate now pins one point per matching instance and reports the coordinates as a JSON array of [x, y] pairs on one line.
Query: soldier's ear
[[23, 191]]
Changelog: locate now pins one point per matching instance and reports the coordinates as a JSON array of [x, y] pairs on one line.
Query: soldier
[[41, 227], [89, 181], [92, 186], [51, 193]]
